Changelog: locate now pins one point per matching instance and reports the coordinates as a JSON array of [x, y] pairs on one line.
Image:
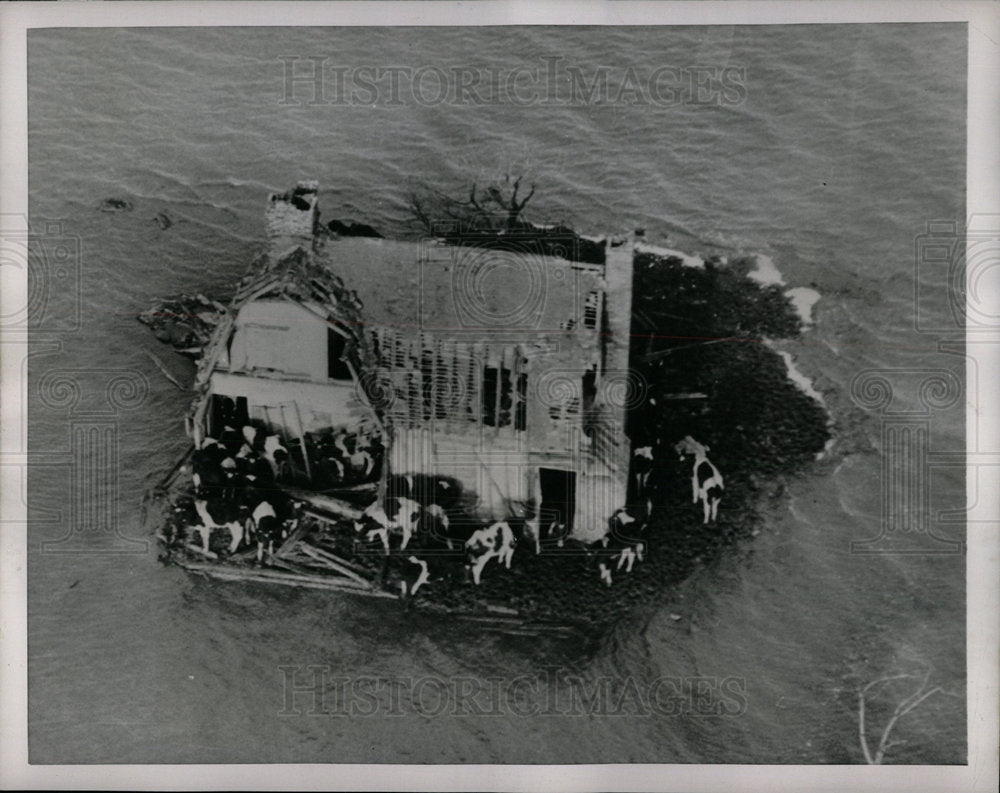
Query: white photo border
[[983, 178]]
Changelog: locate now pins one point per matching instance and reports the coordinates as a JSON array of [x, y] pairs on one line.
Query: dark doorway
[[336, 346], [242, 412], [222, 411], [558, 497]]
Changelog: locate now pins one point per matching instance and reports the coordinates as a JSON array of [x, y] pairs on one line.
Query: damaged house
[[288, 352], [505, 370]]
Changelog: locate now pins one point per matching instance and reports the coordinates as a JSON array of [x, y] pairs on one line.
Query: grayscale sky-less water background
[[848, 141]]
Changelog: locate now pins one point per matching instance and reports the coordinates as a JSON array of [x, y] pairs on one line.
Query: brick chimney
[[292, 217]]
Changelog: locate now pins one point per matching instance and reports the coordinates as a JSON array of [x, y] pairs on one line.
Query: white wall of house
[[499, 468], [281, 336]]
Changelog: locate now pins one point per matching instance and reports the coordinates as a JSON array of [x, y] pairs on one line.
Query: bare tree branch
[[493, 207], [902, 708]]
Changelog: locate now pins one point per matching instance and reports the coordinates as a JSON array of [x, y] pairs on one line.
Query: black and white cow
[[494, 542], [642, 466], [623, 544], [531, 531], [219, 513], [435, 525], [404, 514], [212, 469], [273, 517], [418, 574], [614, 554], [629, 523], [399, 515], [535, 528], [706, 481], [266, 527], [275, 453], [358, 462], [254, 470]]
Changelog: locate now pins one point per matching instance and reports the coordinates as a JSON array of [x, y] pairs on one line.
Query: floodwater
[[847, 142]]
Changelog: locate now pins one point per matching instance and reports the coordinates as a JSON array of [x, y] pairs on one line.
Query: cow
[[629, 554], [617, 553], [400, 485], [330, 469], [275, 453], [358, 463], [642, 465], [404, 514], [209, 468], [706, 481], [230, 439], [219, 514], [374, 523], [435, 524], [411, 583], [495, 542], [399, 514], [273, 517], [622, 544], [627, 523], [532, 526], [425, 489], [267, 528], [532, 532], [256, 471], [249, 435]]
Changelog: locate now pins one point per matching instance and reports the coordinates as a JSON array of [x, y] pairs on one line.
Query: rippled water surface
[[849, 140]]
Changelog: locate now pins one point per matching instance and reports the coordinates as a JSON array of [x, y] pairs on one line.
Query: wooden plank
[[331, 561], [264, 576], [302, 441], [293, 538], [294, 575], [364, 487], [324, 547], [325, 503], [198, 549]]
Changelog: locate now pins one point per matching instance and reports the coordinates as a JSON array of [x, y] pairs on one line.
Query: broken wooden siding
[[492, 406]]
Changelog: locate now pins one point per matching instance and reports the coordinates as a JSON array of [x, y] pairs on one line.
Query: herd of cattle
[[424, 522], [237, 493], [342, 458]]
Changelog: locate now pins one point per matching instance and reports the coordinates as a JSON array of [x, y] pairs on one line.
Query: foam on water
[[803, 299], [766, 273], [803, 383], [687, 259]]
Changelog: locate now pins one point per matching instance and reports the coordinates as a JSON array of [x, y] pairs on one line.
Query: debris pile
[[185, 322]]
